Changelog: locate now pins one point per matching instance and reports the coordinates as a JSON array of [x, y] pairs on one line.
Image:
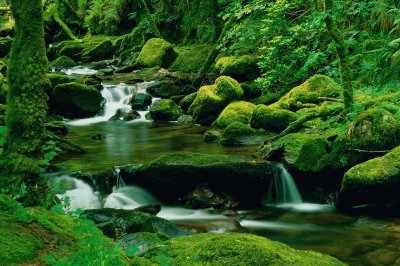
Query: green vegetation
[[233, 249]]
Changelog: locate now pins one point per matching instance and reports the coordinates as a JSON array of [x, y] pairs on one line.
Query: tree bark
[[26, 107], [342, 53]]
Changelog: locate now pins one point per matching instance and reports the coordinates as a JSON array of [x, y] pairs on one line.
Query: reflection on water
[[125, 143]]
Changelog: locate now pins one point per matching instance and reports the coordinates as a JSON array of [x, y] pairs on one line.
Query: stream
[[356, 240]]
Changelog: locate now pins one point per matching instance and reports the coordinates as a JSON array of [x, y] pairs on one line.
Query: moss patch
[[210, 100], [235, 112], [165, 110], [62, 62], [271, 119], [157, 53], [243, 68], [190, 58], [233, 249]]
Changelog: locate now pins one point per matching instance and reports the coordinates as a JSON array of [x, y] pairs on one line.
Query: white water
[[283, 190], [117, 97], [79, 70]]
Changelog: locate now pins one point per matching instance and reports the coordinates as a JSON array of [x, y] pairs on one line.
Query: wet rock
[[130, 221], [74, 100], [132, 115], [211, 135], [153, 209], [138, 244], [106, 72], [241, 134], [186, 120], [57, 127], [98, 136], [174, 175], [141, 102], [205, 197], [103, 181], [168, 89], [165, 110]]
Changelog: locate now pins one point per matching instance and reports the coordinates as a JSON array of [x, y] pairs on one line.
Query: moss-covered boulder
[[242, 68], [187, 101], [304, 152], [165, 110], [272, 119], [5, 46], [235, 112], [173, 175], [157, 53], [374, 182], [212, 99], [241, 134], [62, 62], [190, 58], [234, 249], [57, 79], [374, 129], [308, 92], [74, 100]]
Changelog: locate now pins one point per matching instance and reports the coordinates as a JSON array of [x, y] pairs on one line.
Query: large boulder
[[304, 152], [173, 175], [141, 102], [212, 99], [374, 182], [74, 100], [165, 110], [57, 79], [234, 249], [235, 112], [272, 119], [62, 62], [157, 53], [242, 68], [375, 128], [167, 89], [309, 92]]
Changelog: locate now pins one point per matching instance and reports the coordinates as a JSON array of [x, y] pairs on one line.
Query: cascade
[[283, 189]]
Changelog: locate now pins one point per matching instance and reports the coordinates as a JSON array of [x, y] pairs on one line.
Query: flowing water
[[357, 240]]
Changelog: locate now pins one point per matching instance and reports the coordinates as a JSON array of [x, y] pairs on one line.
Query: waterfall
[[283, 189], [117, 97]]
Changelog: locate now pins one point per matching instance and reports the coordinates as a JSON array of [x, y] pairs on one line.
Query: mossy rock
[[140, 243], [272, 119], [304, 152], [187, 101], [190, 58], [5, 46], [57, 79], [241, 134], [62, 62], [174, 175], [3, 68], [235, 112], [212, 99], [308, 92], [251, 90], [211, 135], [165, 110], [157, 53], [242, 68], [74, 100], [234, 249], [374, 182], [3, 89], [375, 128]]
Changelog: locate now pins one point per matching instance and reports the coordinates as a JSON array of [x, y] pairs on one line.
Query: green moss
[[165, 110], [57, 79], [7, 204], [187, 101], [76, 100], [375, 128], [235, 112], [308, 92], [233, 249], [190, 58], [305, 152], [243, 68], [62, 62], [210, 100], [157, 53], [373, 182], [238, 133], [272, 119], [251, 90]]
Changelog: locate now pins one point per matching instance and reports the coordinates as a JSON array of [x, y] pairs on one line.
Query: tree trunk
[[342, 53], [26, 107], [152, 23]]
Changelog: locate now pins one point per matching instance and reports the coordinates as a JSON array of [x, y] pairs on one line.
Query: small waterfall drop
[[283, 189], [117, 97]]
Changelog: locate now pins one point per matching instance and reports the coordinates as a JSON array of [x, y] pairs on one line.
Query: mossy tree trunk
[[342, 53], [26, 106]]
